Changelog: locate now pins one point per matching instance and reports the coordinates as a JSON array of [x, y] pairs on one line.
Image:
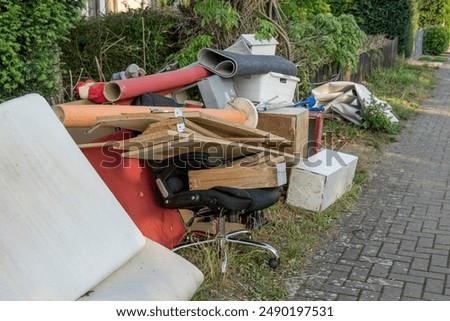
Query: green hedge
[[101, 46], [392, 18], [436, 40], [434, 12], [29, 54]]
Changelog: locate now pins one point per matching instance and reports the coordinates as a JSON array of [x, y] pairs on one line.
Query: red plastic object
[[317, 117], [133, 87], [95, 93], [133, 184]]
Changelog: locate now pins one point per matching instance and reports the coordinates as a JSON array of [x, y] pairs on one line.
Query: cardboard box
[[319, 181]]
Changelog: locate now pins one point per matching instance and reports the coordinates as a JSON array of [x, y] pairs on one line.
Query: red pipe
[[132, 87]]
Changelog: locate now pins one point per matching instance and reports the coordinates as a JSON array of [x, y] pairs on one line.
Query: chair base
[[235, 237]]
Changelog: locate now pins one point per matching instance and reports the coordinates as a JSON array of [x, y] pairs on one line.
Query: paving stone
[[390, 248], [390, 294], [400, 267], [385, 281], [337, 278], [434, 286], [425, 242], [431, 275], [351, 254], [369, 295], [363, 285], [443, 239], [407, 278], [341, 290], [413, 290], [379, 270], [408, 245], [359, 274], [435, 297], [370, 250], [343, 297], [420, 264], [439, 260]]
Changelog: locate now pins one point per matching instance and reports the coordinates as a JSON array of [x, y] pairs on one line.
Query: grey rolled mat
[[230, 64]]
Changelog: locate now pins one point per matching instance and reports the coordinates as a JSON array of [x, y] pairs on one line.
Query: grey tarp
[[350, 100]]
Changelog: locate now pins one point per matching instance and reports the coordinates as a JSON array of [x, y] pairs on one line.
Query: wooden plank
[[226, 128], [164, 124], [219, 148], [101, 144], [199, 129], [138, 122], [147, 140], [259, 176]]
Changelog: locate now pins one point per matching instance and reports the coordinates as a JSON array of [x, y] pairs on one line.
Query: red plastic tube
[[133, 87]]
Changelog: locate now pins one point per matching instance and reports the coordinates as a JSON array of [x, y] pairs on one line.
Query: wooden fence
[[365, 66]]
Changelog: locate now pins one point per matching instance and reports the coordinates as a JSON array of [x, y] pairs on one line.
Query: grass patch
[[433, 58], [297, 233]]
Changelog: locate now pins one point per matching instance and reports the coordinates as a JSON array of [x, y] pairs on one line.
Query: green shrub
[[436, 40], [376, 119], [101, 46], [434, 12], [390, 18], [29, 54]]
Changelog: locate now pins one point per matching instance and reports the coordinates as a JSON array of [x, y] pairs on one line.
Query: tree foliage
[[434, 12], [323, 40], [307, 34], [29, 33]]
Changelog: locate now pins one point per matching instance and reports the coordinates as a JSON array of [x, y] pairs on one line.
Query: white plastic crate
[[261, 88], [259, 47]]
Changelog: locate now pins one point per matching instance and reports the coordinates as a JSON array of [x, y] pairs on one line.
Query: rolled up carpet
[[230, 64]]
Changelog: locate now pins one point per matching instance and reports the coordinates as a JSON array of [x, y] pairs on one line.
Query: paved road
[[397, 244]]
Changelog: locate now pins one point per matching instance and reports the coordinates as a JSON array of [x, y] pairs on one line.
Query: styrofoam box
[[261, 88], [319, 181]]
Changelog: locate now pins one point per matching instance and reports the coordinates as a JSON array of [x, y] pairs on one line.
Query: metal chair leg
[[233, 237]]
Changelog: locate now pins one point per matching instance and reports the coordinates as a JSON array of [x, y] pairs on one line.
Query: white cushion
[[154, 274]]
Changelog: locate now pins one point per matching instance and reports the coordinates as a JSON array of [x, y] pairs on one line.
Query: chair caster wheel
[[273, 263]]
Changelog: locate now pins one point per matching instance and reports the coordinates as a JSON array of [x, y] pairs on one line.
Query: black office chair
[[223, 204]]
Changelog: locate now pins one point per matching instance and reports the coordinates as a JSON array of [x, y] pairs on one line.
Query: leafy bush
[[376, 119], [104, 45], [436, 40], [29, 33], [326, 39], [390, 18], [434, 12]]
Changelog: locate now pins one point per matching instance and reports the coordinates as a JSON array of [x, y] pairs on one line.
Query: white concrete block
[[319, 181]]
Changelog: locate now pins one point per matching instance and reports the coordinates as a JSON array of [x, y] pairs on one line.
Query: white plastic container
[[259, 47], [261, 88]]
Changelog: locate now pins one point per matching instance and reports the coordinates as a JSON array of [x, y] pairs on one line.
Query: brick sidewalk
[[396, 245]]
